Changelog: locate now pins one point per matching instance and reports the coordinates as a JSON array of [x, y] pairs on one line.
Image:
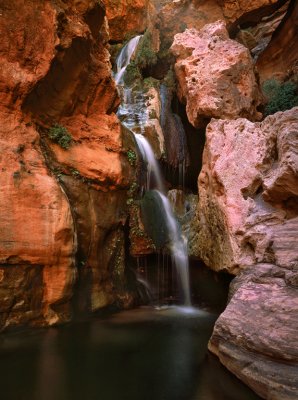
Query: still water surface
[[144, 354]]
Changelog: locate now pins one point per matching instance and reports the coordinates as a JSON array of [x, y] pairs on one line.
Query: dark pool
[[134, 355]]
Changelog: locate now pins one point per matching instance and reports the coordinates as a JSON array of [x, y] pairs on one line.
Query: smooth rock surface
[[256, 336], [215, 74], [55, 69]]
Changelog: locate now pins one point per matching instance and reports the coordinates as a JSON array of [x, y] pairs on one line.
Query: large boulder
[[215, 74], [247, 211], [256, 336]]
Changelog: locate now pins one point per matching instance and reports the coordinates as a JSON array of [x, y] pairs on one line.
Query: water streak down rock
[[55, 68], [215, 74]]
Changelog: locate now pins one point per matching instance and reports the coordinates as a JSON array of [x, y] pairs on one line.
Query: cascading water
[[133, 113], [124, 58]]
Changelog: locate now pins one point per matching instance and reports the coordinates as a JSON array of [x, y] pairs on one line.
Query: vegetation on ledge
[[60, 135], [146, 56], [280, 96]]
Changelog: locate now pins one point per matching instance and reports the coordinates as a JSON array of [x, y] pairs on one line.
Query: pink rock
[[247, 211], [256, 336], [215, 74]]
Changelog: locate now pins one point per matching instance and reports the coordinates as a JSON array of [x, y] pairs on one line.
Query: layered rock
[[247, 191], [257, 37], [280, 57], [211, 85], [256, 336], [55, 69], [176, 16], [37, 241], [126, 17]]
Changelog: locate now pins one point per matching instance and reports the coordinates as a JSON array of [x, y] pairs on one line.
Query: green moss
[[150, 83], [280, 96], [132, 157], [60, 135], [132, 74], [146, 56]]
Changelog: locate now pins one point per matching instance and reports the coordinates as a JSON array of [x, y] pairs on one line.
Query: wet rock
[[210, 86], [140, 243], [152, 213], [153, 129], [256, 336]]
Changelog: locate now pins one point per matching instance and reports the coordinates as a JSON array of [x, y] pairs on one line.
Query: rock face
[[176, 16], [248, 193], [211, 85], [256, 336], [280, 57], [53, 220], [126, 17], [247, 224]]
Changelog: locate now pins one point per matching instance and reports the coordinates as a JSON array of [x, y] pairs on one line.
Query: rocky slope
[[54, 221]]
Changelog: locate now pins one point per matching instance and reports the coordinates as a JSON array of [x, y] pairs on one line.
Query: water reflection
[[136, 355]]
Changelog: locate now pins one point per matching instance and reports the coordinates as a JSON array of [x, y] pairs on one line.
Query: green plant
[[60, 135], [146, 56], [132, 74], [132, 157], [75, 172], [150, 83], [280, 96]]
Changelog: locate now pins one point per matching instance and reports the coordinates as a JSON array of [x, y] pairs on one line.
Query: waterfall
[[133, 113], [124, 58]]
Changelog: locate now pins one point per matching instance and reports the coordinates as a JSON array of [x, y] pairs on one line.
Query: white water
[[124, 58], [134, 111], [152, 166]]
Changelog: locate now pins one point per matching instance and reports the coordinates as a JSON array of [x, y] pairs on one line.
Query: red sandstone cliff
[[61, 211]]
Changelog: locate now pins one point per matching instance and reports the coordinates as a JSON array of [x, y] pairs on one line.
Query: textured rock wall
[[175, 16], [213, 86], [55, 69], [248, 193]]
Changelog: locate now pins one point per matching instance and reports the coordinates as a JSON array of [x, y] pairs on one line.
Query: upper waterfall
[[124, 58]]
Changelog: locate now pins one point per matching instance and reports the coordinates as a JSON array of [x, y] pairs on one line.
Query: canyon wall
[[63, 209], [246, 219], [66, 177]]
